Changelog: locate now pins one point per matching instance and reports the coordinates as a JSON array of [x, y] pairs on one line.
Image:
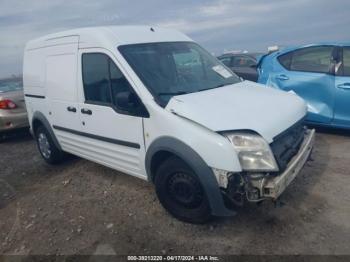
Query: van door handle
[[344, 86], [72, 109], [86, 111], [282, 77]]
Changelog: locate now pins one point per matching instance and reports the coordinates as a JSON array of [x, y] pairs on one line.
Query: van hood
[[242, 106]]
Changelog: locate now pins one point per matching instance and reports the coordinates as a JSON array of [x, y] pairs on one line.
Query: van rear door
[[61, 84]]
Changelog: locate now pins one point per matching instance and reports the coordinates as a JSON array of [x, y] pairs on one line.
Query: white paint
[[242, 106], [52, 67]]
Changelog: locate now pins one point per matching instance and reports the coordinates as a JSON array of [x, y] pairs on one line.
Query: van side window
[[102, 79], [96, 78], [119, 83], [104, 83]]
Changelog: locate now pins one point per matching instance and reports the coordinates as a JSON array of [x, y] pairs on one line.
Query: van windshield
[[174, 68]]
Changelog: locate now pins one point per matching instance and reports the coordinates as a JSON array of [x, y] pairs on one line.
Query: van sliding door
[[61, 83]]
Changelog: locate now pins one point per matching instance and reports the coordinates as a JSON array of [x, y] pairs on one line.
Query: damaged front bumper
[[272, 186]]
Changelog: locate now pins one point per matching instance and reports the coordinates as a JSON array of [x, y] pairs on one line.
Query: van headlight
[[254, 152]]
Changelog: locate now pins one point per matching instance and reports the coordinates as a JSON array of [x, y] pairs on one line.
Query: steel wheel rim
[[185, 190], [44, 145]]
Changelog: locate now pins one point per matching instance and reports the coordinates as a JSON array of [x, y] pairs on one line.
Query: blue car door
[[309, 73], [342, 93]]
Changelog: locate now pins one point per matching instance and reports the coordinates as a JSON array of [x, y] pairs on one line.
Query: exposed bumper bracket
[[273, 186]]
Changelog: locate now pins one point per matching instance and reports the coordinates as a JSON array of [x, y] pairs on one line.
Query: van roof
[[107, 35]]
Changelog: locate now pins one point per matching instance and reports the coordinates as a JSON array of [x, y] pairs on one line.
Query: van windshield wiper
[[173, 93]]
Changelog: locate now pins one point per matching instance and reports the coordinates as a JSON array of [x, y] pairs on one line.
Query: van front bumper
[[271, 186]]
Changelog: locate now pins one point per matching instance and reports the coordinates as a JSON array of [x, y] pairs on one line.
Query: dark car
[[243, 64]]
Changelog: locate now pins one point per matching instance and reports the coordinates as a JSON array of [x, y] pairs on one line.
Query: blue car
[[320, 74]]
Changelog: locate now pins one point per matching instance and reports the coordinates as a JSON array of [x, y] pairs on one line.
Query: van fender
[[38, 116], [202, 170]]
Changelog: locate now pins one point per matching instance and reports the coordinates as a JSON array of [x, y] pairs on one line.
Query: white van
[[152, 103]]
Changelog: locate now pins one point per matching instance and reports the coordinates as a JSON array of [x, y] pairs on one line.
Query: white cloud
[[217, 24], [216, 8], [200, 26]]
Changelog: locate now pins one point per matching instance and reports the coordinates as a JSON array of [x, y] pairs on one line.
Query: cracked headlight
[[254, 152]]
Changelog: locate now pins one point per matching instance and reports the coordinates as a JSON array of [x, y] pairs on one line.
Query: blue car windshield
[[10, 85], [174, 68]]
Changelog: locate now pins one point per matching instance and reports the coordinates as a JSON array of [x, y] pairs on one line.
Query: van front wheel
[[47, 147], [180, 192]]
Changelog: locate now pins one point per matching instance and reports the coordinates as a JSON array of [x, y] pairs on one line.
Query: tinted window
[[346, 61], [312, 59], [102, 79], [119, 83], [226, 60], [96, 78], [243, 61], [172, 68], [285, 60]]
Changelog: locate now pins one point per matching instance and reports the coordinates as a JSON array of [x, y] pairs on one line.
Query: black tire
[[53, 155], [181, 193]]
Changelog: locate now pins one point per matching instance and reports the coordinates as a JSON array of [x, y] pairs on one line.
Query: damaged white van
[[152, 103]]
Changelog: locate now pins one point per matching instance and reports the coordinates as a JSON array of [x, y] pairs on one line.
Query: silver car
[[13, 113]]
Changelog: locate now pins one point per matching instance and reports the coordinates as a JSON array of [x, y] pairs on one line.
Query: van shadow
[[20, 135]]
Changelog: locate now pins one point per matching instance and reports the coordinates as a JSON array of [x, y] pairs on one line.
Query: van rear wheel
[[181, 193], [47, 148]]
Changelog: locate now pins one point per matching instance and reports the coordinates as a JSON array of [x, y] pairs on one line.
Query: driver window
[[95, 68], [102, 80], [118, 82]]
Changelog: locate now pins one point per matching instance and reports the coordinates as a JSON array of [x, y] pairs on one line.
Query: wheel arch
[[39, 119], [164, 147]]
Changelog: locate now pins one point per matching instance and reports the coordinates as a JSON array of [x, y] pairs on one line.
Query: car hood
[[242, 106]]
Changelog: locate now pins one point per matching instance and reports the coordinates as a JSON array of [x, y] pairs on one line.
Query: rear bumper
[[13, 121], [273, 186]]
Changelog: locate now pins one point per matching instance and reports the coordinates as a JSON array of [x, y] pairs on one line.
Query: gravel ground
[[83, 208]]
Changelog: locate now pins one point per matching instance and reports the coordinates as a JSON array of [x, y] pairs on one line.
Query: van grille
[[287, 144]]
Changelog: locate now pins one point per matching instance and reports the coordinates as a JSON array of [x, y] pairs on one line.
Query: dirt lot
[[84, 208]]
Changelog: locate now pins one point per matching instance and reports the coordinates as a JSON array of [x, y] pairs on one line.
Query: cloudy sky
[[218, 25]]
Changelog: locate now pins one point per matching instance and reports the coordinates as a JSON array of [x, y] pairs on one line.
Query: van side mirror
[[129, 102], [126, 100]]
